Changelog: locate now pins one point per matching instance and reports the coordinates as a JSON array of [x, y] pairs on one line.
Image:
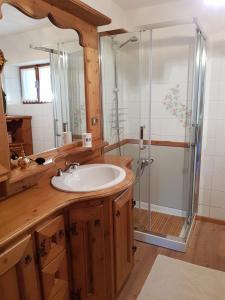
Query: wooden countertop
[[24, 210]]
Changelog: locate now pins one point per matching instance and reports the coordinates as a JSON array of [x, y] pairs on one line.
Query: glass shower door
[[142, 210], [125, 62]]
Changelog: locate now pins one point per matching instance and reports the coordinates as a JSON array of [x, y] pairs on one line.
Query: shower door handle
[[142, 147], [195, 131]]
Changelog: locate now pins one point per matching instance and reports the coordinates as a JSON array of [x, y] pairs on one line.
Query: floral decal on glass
[[176, 108]]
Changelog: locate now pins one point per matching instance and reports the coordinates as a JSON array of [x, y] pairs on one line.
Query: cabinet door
[[50, 240], [88, 255], [123, 237], [18, 279], [55, 279]]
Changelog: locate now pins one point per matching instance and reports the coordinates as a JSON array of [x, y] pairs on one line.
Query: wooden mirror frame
[[65, 14]]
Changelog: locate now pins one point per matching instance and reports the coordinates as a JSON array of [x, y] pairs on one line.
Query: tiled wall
[[170, 77], [212, 184], [11, 84]]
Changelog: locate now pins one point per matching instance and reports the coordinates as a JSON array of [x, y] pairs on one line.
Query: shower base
[[161, 224]]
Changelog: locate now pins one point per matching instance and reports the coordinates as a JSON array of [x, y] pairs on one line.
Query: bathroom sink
[[89, 178]]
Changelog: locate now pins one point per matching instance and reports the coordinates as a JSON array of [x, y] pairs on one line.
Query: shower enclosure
[[152, 95], [67, 88]]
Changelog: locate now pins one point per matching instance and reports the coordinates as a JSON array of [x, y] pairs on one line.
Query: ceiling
[[15, 22], [132, 4]]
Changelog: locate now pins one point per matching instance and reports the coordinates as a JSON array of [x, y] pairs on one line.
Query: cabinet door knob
[[41, 251], [73, 229], [117, 213], [134, 203], [97, 222], [77, 295], [61, 233], [134, 248], [28, 259]]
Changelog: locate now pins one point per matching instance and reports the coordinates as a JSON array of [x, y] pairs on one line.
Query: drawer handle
[[28, 259]]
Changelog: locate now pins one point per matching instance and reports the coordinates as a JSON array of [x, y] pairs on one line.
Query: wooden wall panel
[[93, 102]]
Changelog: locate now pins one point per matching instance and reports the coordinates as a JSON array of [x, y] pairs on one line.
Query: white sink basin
[[89, 178]]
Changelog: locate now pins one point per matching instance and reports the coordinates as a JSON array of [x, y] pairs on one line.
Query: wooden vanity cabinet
[[89, 258], [87, 251], [18, 278], [123, 237], [96, 240]]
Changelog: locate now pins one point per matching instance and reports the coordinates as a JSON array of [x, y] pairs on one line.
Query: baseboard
[[165, 210], [210, 220]]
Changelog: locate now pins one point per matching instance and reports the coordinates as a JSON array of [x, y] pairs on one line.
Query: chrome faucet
[[71, 166], [68, 168]]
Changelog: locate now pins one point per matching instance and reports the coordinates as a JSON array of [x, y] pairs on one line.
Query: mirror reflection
[[43, 85]]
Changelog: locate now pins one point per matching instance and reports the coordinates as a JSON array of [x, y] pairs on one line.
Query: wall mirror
[[43, 83]]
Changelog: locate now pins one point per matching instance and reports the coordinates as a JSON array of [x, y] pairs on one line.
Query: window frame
[[37, 75]]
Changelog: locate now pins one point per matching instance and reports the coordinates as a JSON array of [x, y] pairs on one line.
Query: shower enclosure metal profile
[[141, 51], [116, 120]]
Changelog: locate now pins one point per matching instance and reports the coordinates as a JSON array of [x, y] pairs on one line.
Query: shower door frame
[[167, 241]]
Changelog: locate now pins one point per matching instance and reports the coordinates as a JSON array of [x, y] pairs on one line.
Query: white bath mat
[[172, 279]]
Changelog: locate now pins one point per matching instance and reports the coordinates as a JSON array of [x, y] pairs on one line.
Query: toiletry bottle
[[87, 140], [66, 135]]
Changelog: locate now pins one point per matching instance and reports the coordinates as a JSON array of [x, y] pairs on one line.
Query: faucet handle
[[59, 172], [72, 166]]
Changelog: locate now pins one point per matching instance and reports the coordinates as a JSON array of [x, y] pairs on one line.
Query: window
[[36, 83]]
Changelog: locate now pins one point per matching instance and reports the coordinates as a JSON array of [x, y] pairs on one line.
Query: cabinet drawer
[[55, 279], [50, 240], [18, 278]]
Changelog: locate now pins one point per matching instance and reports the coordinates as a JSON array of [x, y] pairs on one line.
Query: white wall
[[11, 83], [212, 185], [45, 36], [111, 10]]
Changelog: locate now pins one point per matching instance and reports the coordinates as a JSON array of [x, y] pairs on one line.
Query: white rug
[[172, 279]]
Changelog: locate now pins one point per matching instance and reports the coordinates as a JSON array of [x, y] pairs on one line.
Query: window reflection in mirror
[[43, 82]]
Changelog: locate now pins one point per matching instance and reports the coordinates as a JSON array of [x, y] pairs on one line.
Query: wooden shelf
[[15, 144], [21, 131], [16, 118]]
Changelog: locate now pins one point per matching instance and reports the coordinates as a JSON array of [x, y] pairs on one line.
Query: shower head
[[132, 39]]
